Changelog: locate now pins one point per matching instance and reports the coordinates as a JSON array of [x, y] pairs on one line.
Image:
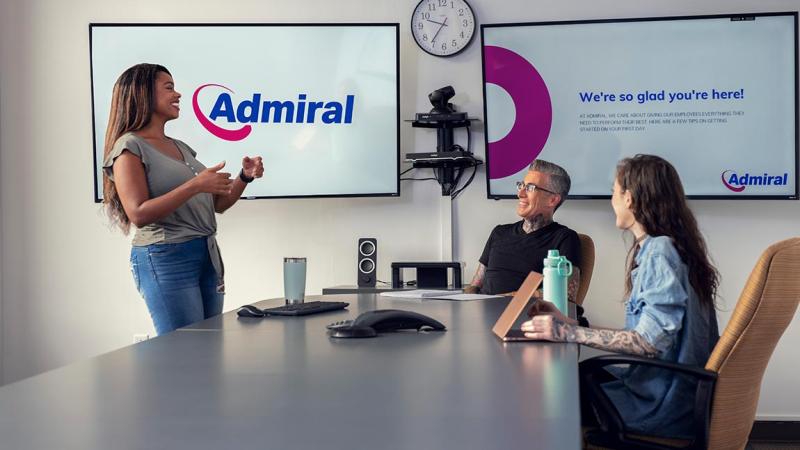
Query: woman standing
[[154, 182], [670, 287]]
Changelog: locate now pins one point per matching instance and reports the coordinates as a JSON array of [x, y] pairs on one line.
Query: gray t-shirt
[[195, 218]]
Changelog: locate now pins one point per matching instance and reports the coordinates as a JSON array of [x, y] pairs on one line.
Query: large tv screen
[[319, 102], [714, 95]]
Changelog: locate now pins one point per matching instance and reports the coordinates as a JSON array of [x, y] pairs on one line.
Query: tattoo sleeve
[[574, 284], [620, 341], [477, 280]]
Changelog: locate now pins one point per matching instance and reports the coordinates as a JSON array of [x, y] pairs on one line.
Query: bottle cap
[[553, 258]]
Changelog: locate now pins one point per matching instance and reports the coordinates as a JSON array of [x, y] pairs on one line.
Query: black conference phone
[[370, 323]]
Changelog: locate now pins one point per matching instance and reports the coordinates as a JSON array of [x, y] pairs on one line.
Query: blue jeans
[[178, 283]]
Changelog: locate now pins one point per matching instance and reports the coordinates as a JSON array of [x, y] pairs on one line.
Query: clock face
[[443, 27]]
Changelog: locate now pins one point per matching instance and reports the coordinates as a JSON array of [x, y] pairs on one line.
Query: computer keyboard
[[304, 309]]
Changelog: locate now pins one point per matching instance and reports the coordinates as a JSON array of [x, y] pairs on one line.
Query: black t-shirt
[[510, 254]]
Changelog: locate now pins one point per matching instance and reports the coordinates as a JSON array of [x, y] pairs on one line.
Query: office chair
[[728, 387], [586, 267]]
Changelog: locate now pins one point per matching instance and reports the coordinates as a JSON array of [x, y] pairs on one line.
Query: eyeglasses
[[530, 187]]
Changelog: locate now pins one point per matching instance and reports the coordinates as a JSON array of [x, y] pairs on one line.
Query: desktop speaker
[[367, 261]]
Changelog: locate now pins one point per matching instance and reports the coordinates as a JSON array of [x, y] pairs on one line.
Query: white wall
[[66, 291], [1, 221]]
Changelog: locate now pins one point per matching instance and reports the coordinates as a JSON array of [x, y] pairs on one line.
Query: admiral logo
[[737, 183], [256, 110]]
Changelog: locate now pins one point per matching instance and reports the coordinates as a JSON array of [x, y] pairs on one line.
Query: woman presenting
[[154, 182]]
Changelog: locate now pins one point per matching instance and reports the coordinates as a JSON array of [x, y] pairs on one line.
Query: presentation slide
[[714, 96], [319, 103]]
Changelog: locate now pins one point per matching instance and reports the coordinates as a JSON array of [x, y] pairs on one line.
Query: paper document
[[456, 295], [420, 293], [465, 297]]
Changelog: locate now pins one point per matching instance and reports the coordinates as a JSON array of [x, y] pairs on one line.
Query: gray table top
[[283, 383]]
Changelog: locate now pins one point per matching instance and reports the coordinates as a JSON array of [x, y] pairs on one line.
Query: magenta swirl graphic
[[534, 111], [728, 185], [222, 133]]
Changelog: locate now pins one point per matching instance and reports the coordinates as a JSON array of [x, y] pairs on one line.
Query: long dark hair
[[132, 104], [659, 204]]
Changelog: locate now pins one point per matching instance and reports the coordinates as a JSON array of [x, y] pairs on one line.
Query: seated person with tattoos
[[516, 249], [670, 288]]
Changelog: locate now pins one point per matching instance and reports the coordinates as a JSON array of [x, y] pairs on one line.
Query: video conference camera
[[443, 117], [440, 98], [443, 114]]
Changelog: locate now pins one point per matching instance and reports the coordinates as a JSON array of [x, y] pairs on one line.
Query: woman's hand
[[541, 307], [547, 323], [252, 167], [213, 181], [545, 327]]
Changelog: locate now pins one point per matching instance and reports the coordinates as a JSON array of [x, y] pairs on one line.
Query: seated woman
[[670, 288]]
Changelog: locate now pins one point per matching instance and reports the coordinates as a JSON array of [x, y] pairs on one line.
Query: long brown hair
[[132, 104], [659, 204]]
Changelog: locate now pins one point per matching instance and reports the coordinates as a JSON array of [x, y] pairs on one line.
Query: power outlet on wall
[[140, 338]]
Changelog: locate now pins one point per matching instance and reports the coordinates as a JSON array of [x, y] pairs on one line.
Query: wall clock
[[443, 27]]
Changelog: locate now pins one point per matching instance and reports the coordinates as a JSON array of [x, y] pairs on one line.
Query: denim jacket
[[664, 309]]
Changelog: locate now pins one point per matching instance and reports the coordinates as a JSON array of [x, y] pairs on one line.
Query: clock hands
[[442, 25], [437, 23]]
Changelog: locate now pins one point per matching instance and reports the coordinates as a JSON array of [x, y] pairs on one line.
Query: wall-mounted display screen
[[714, 95], [319, 102]]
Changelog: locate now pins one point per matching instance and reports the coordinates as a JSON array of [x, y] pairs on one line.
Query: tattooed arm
[[574, 284], [551, 328], [477, 280]]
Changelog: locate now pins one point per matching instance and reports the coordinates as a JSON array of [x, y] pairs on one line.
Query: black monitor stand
[[429, 274]]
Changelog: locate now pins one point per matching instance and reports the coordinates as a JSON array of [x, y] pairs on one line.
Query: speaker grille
[[366, 266], [367, 248]]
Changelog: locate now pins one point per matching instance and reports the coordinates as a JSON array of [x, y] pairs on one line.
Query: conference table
[[283, 383]]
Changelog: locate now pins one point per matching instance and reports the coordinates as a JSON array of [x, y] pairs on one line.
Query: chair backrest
[[586, 266], [765, 308]]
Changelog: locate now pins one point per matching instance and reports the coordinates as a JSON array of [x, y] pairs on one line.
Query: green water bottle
[[557, 270]]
